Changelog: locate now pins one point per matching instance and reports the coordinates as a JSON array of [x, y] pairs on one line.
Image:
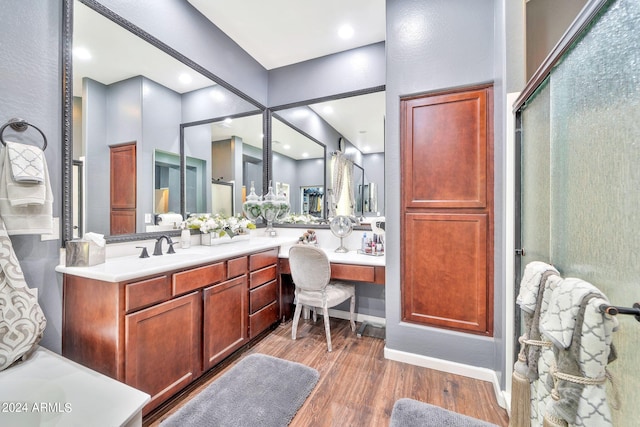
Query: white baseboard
[[475, 372], [372, 320]]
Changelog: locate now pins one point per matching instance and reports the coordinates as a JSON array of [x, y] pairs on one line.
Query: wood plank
[[357, 386]]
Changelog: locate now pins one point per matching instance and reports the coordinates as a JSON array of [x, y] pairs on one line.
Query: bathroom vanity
[[158, 323]]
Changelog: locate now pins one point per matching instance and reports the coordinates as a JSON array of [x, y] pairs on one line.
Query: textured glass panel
[[535, 177], [595, 176]]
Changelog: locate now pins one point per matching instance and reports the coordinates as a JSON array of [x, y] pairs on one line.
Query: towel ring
[[20, 125]]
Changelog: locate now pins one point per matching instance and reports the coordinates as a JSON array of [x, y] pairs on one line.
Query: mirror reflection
[[298, 171], [128, 108], [231, 151], [353, 127]]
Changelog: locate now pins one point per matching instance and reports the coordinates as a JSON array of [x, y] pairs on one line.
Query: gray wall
[[546, 22], [342, 72], [30, 88], [197, 39], [453, 47]]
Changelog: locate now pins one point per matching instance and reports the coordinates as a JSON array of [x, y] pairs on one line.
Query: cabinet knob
[[520, 252]]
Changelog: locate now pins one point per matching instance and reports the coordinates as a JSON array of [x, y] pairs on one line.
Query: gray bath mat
[[412, 413], [259, 391]]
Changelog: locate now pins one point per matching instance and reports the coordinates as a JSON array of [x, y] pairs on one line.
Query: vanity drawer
[[263, 259], [196, 278], [146, 292], [358, 273], [260, 277], [262, 296], [236, 267], [264, 318]]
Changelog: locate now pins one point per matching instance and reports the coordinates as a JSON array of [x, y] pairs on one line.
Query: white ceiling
[[283, 32], [275, 33]]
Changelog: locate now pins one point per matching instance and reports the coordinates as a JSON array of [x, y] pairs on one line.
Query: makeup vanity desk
[[350, 266]]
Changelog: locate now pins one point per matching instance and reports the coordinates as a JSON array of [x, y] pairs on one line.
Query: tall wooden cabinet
[[123, 188], [447, 210]]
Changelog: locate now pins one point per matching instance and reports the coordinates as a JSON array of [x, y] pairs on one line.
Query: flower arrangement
[[292, 218], [219, 224]]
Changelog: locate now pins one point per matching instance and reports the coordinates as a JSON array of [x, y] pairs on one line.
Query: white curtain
[[342, 183]]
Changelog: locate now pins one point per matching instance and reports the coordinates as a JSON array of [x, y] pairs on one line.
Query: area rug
[[412, 413], [260, 390]]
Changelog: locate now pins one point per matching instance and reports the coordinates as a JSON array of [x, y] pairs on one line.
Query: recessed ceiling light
[[228, 121], [286, 146], [81, 53], [305, 154], [346, 31], [185, 78], [366, 148], [328, 109]]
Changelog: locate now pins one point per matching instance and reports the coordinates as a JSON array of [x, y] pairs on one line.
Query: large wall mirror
[[128, 106], [353, 125]]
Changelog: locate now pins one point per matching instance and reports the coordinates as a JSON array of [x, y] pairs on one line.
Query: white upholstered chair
[[311, 273]]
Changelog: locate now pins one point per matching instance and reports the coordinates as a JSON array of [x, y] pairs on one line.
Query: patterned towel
[[582, 338], [22, 321], [27, 163], [530, 284], [538, 281]]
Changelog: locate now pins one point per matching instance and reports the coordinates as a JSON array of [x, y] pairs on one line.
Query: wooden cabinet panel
[[146, 292], [263, 295], [162, 347], [262, 276], [196, 278], [445, 151], [445, 284], [262, 319], [263, 259], [123, 188], [237, 267], [225, 319], [123, 221], [447, 210]]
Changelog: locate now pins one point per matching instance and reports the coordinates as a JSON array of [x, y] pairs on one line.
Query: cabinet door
[[446, 279], [123, 188], [225, 319], [162, 347]]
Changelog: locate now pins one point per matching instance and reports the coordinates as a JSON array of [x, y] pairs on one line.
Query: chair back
[[310, 268]]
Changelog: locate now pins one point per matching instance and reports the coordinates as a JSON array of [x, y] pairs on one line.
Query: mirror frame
[[67, 110]]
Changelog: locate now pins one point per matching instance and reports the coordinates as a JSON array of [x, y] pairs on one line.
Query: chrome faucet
[[157, 250]]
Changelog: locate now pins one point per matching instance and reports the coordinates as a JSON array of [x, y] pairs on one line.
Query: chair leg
[[351, 312], [327, 331], [315, 314], [296, 318]]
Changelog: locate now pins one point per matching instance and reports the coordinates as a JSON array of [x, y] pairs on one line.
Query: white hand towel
[[24, 174], [31, 218], [27, 163]]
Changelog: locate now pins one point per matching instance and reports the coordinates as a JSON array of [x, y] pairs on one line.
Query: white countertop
[[129, 267], [351, 257], [49, 390]]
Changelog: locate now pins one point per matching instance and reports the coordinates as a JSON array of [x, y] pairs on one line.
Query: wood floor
[[357, 385]]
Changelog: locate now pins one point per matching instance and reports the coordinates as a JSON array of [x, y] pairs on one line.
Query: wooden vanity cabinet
[[264, 309], [161, 332]]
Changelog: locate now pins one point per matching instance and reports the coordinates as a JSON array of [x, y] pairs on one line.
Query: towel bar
[[614, 310], [20, 125]]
